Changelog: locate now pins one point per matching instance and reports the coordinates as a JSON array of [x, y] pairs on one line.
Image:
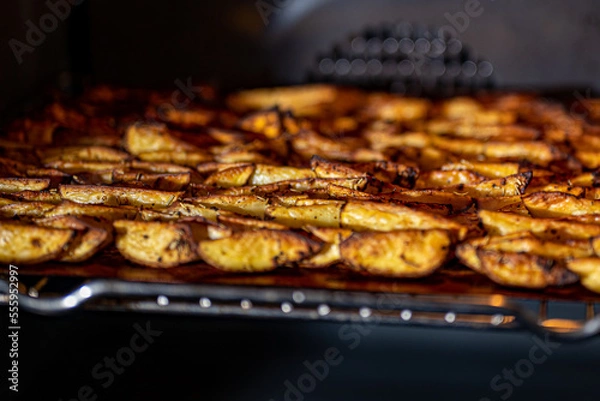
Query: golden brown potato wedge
[[498, 223], [93, 235], [242, 204], [256, 250], [83, 153], [305, 100], [68, 208], [118, 196], [515, 269], [160, 181], [184, 158], [265, 174], [231, 177], [266, 122], [486, 169], [407, 253], [144, 138], [10, 185], [29, 243], [371, 216], [319, 215], [25, 209], [448, 178], [526, 242], [588, 270], [513, 185], [155, 244], [559, 204]]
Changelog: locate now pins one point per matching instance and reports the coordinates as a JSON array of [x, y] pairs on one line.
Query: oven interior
[[249, 353]]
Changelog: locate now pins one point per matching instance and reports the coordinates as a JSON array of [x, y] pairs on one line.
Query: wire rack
[[564, 321]]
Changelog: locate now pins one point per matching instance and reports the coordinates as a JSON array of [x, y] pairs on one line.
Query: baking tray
[[452, 297]]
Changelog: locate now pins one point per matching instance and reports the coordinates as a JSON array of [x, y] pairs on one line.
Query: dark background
[[198, 358], [533, 43]]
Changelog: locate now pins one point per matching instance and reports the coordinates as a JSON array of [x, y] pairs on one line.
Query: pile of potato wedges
[[314, 176]]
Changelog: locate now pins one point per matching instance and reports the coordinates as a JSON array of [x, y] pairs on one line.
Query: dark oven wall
[[259, 42]]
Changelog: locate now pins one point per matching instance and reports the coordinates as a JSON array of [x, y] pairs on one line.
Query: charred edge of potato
[[155, 244]]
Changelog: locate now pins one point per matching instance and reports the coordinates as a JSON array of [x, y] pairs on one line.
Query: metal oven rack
[[494, 312]]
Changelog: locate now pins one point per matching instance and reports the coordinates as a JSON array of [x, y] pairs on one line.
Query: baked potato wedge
[[29, 243], [405, 253], [256, 250], [118, 196], [155, 244]]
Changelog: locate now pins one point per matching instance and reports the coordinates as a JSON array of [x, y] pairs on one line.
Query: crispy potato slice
[[327, 169], [588, 270], [178, 210], [256, 251], [68, 208], [83, 153], [266, 122], [394, 108], [513, 185], [231, 177], [160, 181], [526, 242], [28, 243], [323, 215], [499, 132], [407, 253], [496, 204], [447, 178], [76, 167], [143, 138], [558, 204], [497, 223], [117, 196], [188, 117], [371, 216], [515, 269], [265, 174], [329, 253], [92, 236], [242, 204], [10, 185], [155, 244], [164, 168], [305, 100], [184, 158], [458, 200], [237, 223], [486, 169], [539, 153], [51, 196], [25, 209], [589, 158], [566, 188]]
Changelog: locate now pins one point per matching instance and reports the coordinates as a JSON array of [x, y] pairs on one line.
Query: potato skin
[[29, 244], [256, 251], [155, 244], [406, 253]]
